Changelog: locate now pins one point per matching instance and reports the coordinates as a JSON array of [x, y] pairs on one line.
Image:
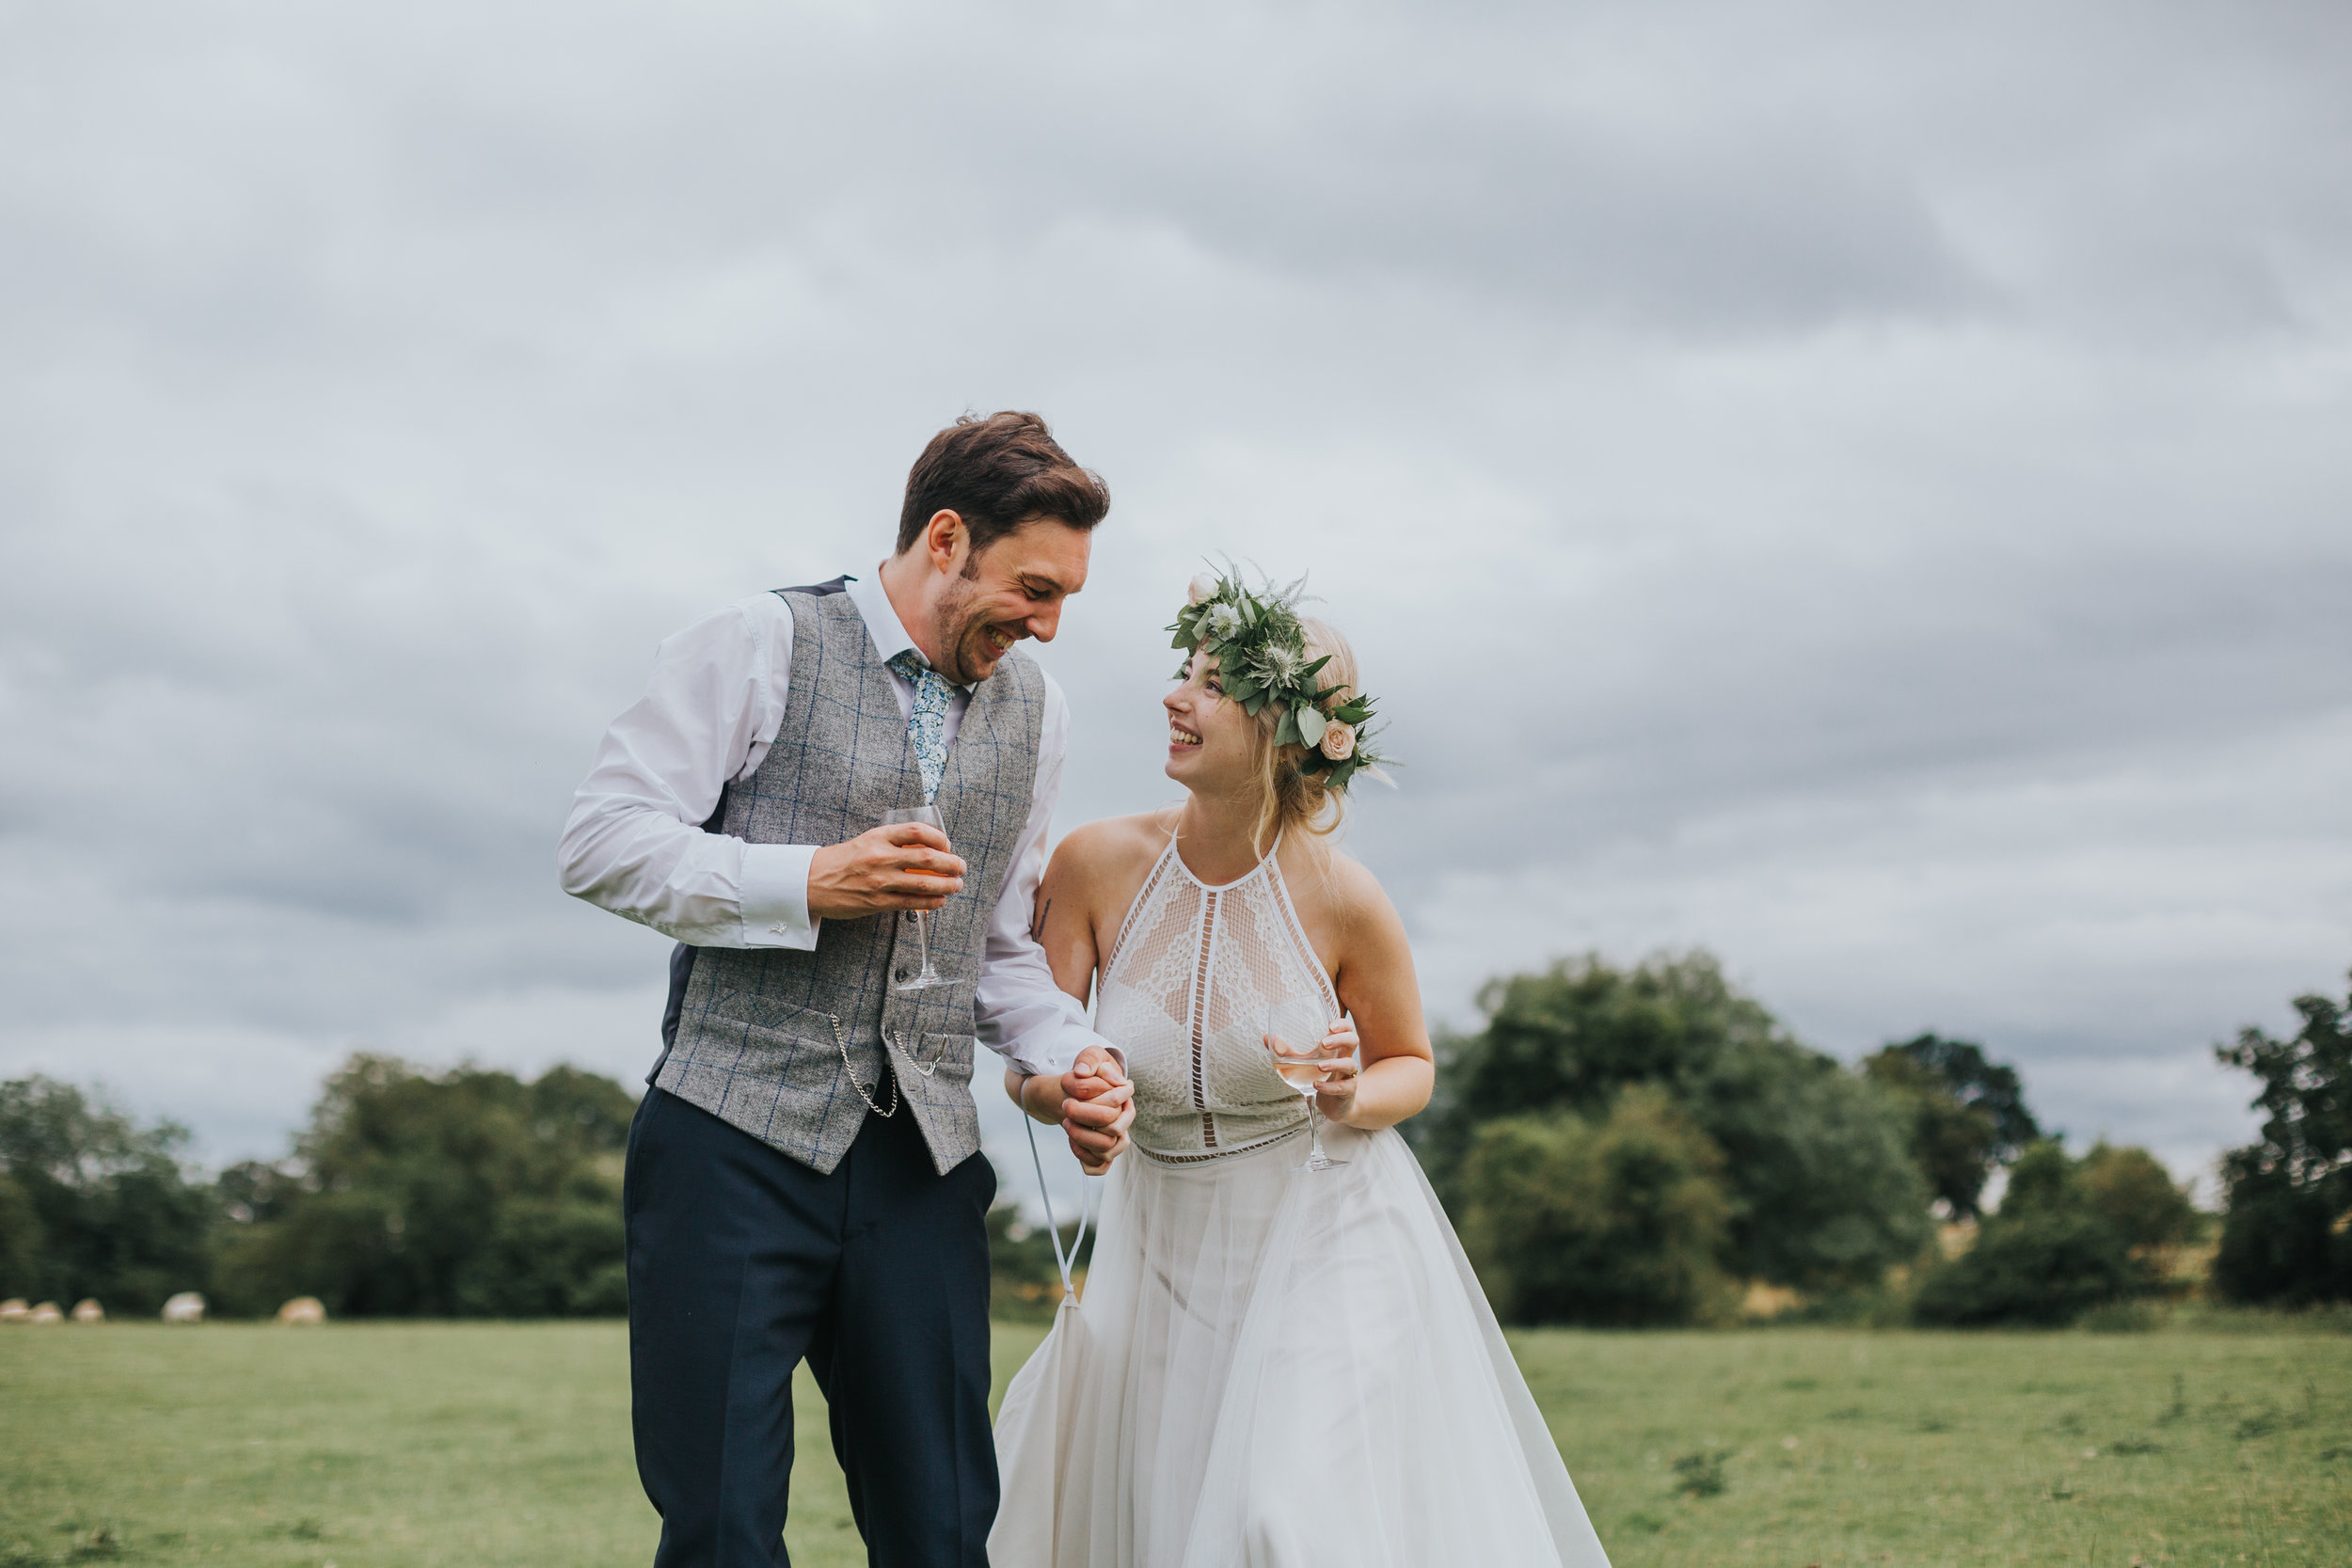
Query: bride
[[1273, 1365]]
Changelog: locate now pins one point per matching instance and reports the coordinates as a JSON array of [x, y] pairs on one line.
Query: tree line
[[468, 1192], [1617, 1145], [1640, 1146]]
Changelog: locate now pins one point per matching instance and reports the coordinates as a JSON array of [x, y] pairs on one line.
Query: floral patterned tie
[[927, 721]]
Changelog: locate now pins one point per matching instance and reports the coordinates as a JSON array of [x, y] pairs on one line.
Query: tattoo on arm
[[1037, 932]]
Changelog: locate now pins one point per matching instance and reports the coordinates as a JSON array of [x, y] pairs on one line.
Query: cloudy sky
[[1863, 489]]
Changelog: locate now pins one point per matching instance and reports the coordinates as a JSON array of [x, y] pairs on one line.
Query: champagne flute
[[926, 976], [1298, 1059]]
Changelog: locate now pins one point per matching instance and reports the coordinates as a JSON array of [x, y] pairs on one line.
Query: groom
[[805, 1178]]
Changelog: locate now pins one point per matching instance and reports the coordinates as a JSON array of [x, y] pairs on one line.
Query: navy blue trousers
[[741, 1263]]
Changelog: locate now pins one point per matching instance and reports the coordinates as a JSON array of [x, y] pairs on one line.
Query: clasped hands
[[1098, 1105], [909, 865]]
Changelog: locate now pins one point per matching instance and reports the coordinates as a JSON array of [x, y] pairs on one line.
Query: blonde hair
[[1289, 797]]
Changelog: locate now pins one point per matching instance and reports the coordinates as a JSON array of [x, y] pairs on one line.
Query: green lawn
[[481, 1444]]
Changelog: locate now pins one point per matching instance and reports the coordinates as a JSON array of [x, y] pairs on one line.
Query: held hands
[[905, 865], [1098, 1107]]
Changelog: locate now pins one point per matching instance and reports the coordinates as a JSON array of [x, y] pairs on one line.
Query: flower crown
[[1262, 657]]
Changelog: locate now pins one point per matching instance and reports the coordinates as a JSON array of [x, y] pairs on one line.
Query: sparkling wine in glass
[[1298, 1058], [924, 978]]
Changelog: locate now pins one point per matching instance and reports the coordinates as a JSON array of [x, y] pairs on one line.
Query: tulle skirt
[[1279, 1369]]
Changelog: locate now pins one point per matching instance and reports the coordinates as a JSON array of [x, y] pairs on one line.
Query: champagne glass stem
[[923, 943]]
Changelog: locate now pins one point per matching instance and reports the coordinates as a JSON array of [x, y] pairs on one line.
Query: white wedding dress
[[1271, 1367]]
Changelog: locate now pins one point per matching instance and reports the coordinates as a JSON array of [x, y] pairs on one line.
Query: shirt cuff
[[775, 897], [1062, 1054]]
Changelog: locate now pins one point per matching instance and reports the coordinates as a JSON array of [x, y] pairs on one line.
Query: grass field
[[366, 1446]]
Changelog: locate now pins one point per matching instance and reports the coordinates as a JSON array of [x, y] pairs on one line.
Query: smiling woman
[[1245, 1313], [1267, 714]]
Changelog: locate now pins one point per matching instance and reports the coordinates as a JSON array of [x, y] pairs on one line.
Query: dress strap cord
[[1063, 1260]]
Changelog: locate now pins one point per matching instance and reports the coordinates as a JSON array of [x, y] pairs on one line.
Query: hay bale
[[185, 1308], [14, 1310], [303, 1311], [86, 1310], [46, 1313]]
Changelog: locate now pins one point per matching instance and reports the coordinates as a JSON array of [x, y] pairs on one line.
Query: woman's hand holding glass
[[1335, 1092], [1309, 1067]]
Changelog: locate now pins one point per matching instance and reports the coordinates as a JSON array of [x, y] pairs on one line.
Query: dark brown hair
[[997, 473]]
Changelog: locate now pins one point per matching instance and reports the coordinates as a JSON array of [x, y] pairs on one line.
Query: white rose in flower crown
[[1203, 589], [1338, 741]]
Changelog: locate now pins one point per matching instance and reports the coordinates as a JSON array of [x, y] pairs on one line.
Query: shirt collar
[[882, 625]]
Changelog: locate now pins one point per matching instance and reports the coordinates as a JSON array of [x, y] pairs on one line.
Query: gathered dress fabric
[[1270, 1367]]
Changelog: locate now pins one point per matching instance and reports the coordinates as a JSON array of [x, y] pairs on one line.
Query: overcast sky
[[1863, 489]]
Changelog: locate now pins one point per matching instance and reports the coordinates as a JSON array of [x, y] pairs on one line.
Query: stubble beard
[[953, 627]]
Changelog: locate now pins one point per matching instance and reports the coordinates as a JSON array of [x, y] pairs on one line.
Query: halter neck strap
[[1220, 887]]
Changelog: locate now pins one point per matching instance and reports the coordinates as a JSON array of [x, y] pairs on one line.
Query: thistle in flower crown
[[1261, 649]]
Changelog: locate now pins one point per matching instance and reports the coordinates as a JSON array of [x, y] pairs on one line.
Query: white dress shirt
[[635, 844]]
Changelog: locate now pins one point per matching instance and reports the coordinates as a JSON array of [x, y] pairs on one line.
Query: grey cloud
[[1862, 492]]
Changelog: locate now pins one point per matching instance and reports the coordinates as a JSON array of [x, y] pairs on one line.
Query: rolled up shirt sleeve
[[1020, 1013], [635, 844]]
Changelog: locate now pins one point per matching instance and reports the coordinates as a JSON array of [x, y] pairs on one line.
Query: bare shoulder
[[1343, 886], [1359, 889], [1111, 849]]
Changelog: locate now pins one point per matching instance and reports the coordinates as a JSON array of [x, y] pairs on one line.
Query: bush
[[2046, 1267], [2279, 1242], [2130, 1189], [2046, 1257], [1616, 1221]]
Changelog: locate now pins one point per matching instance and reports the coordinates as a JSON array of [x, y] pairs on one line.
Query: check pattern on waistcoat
[[757, 1043]]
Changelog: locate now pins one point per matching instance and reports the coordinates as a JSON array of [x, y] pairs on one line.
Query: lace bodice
[[1185, 993]]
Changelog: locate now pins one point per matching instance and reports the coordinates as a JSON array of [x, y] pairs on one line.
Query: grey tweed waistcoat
[[767, 1038]]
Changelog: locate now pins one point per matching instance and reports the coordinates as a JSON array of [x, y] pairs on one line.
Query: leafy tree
[[2287, 1236], [2130, 1189], [1573, 1035], [92, 1204], [1953, 1143], [1826, 1196], [1968, 1112], [1611, 1220], [1974, 1080], [2046, 1257], [1822, 1191], [463, 1193]]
